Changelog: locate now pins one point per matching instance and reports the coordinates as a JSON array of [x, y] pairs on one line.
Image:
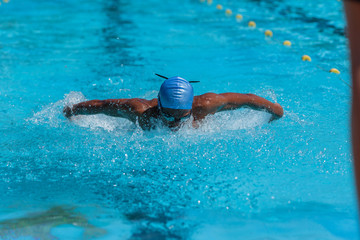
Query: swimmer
[[175, 105]]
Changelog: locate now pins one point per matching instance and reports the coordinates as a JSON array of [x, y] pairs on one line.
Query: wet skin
[[142, 110]]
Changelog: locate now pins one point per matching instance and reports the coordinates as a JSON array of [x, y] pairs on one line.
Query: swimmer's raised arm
[[125, 108], [230, 101], [237, 100]]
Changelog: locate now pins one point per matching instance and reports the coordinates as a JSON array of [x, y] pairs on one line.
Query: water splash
[[223, 121], [52, 114]]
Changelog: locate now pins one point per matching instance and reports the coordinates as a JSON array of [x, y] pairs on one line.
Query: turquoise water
[[236, 177]]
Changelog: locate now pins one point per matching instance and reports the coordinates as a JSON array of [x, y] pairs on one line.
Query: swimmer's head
[[176, 93]]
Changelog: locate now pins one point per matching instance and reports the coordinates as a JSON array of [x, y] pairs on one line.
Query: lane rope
[[287, 43]]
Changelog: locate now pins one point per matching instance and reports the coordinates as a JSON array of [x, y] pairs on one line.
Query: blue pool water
[[236, 177]]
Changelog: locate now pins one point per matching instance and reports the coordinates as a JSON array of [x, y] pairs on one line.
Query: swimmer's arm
[[124, 108], [238, 100]]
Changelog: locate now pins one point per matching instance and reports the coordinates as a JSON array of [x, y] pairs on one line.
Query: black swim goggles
[[171, 118]]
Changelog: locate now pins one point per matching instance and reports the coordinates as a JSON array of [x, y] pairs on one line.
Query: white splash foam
[[235, 120], [52, 114], [101, 121]]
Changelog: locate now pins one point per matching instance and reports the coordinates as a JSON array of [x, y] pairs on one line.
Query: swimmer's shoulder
[[208, 103], [144, 108], [149, 112], [207, 100], [146, 103], [140, 104]]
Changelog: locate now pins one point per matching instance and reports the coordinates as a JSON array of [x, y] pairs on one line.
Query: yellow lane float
[[228, 12], [306, 58], [268, 33], [252, 24], [287, 43], [334, 70], [239, 17]]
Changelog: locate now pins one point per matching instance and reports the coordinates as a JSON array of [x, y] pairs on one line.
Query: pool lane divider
[[269, 34]]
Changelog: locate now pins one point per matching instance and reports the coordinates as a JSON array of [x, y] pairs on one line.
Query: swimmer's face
[[173, 118]]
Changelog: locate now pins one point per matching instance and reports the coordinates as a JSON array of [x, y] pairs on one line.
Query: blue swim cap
[[176, 93]]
